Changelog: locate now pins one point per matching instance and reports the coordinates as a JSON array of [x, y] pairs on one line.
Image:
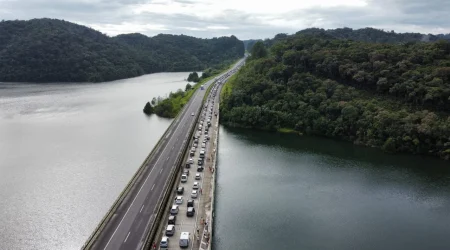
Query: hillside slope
[[396, 97], [50, 50]]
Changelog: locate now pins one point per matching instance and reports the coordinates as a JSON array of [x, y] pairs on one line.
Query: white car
[[179, 200], [196, 185], [192, 114], [174, 210], [194, 194], [184, 178], [198, 176]]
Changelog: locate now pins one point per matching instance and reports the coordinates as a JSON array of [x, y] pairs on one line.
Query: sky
[[246, 19]]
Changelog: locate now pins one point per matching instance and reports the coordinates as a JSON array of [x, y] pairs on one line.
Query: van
[[170, 230], [184, 239]]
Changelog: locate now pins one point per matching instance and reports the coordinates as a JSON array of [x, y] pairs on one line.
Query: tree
[[188, 87], [148, 109], [258, 50], [193, 77]]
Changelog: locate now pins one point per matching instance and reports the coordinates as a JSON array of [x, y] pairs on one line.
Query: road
[[183, 222], [128, 227]]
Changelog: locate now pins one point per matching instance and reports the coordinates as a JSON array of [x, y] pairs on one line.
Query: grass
[[288, 131]]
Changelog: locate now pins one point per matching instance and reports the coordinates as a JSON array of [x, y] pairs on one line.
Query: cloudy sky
[[243, 18]]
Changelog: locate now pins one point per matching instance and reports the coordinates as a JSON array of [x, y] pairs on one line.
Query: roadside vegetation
[[169, 107], [392, 96]]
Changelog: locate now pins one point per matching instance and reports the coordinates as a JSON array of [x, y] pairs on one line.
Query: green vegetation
[[171, 106], [193, 77], [392, 96], [148, 109], [50, 50]]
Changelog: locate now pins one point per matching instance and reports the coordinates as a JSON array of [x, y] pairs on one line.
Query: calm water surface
[[289, 192], [67, 151]]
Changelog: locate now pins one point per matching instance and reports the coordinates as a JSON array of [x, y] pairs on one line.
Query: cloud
[[244, 19]]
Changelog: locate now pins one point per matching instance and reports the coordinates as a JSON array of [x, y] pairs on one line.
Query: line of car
[[184, 240]]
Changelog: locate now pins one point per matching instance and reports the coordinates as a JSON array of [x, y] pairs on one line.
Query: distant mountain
[[373, 35], [51, 50], [248, 44]]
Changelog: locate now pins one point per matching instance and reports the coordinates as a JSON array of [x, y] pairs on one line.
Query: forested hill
[[374, 35], [50, 50], [392, 96]]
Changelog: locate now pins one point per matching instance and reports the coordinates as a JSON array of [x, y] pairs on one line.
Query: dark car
[[199, 169], [200, 162], [180, 190], [186, 172], [190, 212], [172, 219], [190, 203]]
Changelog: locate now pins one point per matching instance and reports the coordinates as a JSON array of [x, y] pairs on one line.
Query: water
[[287, 192], [67, 151]]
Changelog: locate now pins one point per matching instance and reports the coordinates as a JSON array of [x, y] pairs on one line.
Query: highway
[[130, 223]]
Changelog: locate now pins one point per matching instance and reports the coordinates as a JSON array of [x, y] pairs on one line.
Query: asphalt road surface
[[128, 227]]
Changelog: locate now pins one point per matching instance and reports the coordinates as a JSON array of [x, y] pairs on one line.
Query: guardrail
[[168, 188], [107, 218]]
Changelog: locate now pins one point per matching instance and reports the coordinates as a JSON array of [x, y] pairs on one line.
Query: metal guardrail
[[107, 218]]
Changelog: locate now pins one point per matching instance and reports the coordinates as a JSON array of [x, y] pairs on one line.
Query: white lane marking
[[168, 157], [127, 237], [128, 209], [160, 171], [153, 186], [141, 208], [156, 163]]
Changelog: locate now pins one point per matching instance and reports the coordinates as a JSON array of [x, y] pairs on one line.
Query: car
[[190, 212], [194, 194], [190, 203], [198, 176], [192, 153], [179, 200], [196, 185], [180, 190], [196, 141], [207, 137], [205, 140], [164, 242], [174, 210], [188, 165], [170, 230], [203, 145], [186, 172], [200, 162], [184, 178], [172, 220], [199, 169], [192, 114]]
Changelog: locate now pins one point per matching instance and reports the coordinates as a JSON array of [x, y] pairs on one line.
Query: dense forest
[[50, 50], [395, 96]]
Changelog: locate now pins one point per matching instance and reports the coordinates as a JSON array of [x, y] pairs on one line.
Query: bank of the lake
[[281, 191], [67, 151]]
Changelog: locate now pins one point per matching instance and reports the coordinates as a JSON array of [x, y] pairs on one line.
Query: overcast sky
[[243, 18]]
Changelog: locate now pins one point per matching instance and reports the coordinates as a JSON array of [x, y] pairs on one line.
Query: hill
[[392, 96], [50, 50]]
